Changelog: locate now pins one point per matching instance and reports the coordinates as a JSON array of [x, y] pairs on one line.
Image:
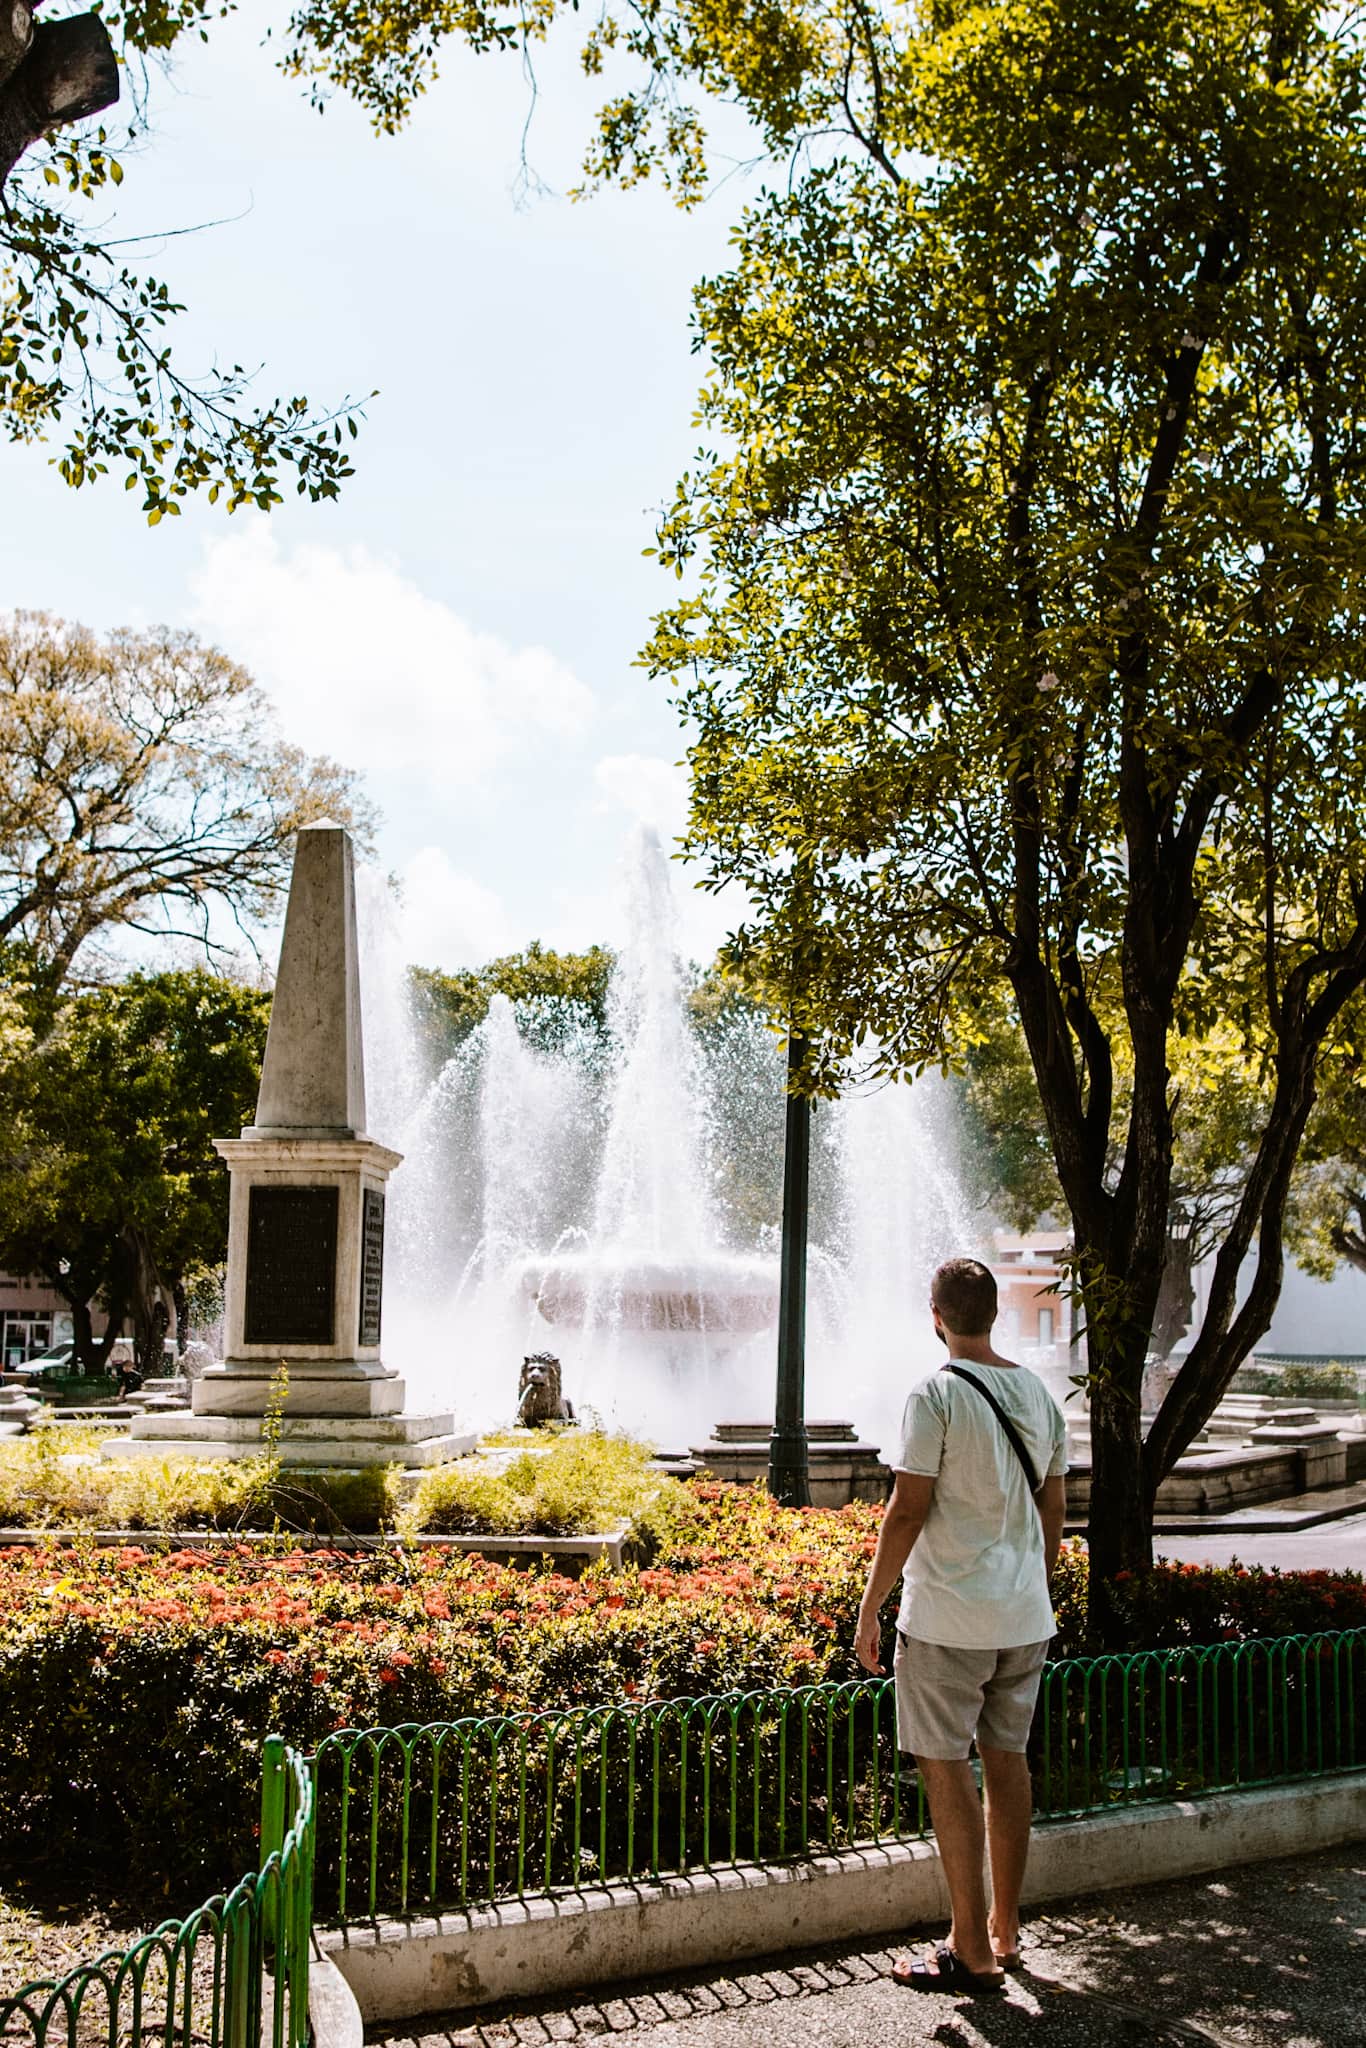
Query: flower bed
[[135, 1689]]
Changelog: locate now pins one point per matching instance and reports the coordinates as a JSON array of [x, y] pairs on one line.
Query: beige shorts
[[947, 1695]]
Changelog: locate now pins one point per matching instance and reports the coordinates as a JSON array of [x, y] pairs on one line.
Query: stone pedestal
[[306, 1224], [19, 1411], [840, 1469], [305, 1276]]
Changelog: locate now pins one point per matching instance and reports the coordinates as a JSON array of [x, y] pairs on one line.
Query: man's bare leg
[[959, 1829], [1010, 1807]]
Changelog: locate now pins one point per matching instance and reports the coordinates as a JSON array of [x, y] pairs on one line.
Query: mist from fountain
[[617, 1202], [654, 1306], [902, 1214]]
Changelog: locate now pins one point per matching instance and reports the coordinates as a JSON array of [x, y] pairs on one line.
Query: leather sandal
[[946, 1972]]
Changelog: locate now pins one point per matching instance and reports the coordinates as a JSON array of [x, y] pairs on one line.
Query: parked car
[[57, 1362]]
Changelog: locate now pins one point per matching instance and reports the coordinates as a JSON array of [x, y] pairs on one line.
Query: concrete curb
[[524, 1948], [333, 2014], [609, 1544]]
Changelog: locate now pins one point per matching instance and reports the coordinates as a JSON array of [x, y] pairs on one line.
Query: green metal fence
[[394, 1820], [454, 1813], [232, 1975]]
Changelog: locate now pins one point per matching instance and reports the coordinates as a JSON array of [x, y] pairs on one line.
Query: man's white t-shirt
[[976, 1577]]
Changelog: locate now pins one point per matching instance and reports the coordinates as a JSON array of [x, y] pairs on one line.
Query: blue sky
[[462, 625]]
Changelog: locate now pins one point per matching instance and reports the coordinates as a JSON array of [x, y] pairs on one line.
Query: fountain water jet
[[653, 1288], [615, 1200]]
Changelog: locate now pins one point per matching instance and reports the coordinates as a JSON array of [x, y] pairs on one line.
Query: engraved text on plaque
[[291, 1265], [371, 1265]]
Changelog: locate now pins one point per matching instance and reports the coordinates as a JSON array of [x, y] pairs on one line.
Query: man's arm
[[1052, 1503], [901, 1524]]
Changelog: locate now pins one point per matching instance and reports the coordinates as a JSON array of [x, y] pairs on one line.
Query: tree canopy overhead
[[85, 335], [143, 786]]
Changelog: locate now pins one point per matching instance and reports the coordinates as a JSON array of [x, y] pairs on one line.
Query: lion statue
[[541, 1399]]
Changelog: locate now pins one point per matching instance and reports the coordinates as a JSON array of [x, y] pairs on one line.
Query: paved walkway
[[1328, 1546], [1271, 1956]]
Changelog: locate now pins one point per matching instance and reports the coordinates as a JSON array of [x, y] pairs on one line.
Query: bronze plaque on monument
[[291, 1265], [371, 1264]]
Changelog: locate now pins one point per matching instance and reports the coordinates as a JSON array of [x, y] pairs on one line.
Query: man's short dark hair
[[964, 1292]]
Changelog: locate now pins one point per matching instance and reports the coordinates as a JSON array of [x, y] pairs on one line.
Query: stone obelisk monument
[[306, 1222]]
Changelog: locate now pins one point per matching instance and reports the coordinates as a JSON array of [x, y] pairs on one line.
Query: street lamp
[[788, 1480]]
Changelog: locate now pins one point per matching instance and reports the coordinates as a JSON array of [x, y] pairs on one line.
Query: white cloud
[[650, 790], [364, 666], [448, 919]]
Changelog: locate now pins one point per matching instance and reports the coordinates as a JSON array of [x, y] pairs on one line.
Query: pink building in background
[[1028, 1271]]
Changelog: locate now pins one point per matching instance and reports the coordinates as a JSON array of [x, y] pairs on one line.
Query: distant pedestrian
[[975, 1520]]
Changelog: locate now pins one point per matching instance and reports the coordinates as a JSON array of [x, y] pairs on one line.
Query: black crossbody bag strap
[[1012, 1434]]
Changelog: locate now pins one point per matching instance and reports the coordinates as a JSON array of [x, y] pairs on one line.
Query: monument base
[[245, 1387], [332, 1441]]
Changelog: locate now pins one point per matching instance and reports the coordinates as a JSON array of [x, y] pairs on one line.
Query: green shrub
[[55, 1478], [1301, 1382], [581, 1483]]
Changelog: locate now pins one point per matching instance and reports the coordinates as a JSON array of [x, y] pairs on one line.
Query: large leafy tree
[[1026, 661], [142, 786], [109, 1184]]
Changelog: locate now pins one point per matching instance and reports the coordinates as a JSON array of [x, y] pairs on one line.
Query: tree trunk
[[1119, 1525], [113, 1330], [16, 34], [82, 1325], [146, 1307], [1176, 1301], [182, 1316], [1119, 1534], [69, 71], [1349, 1243]]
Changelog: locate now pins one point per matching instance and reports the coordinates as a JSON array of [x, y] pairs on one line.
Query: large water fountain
[[614, 1197]]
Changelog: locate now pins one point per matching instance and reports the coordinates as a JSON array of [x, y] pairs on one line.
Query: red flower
[[276, 1657]]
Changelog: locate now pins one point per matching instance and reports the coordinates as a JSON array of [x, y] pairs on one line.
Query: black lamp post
[[787, 1452]]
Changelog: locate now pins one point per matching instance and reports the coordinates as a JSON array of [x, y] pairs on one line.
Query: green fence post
[[273, 1793], [273, 1801]]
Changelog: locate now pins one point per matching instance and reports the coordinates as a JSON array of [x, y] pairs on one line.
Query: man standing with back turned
[[976, 1519]]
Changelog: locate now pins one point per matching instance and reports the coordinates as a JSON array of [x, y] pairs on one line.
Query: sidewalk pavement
[[1269, 1956]]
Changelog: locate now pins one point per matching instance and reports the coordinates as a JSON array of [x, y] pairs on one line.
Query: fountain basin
[[712, 1293]]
